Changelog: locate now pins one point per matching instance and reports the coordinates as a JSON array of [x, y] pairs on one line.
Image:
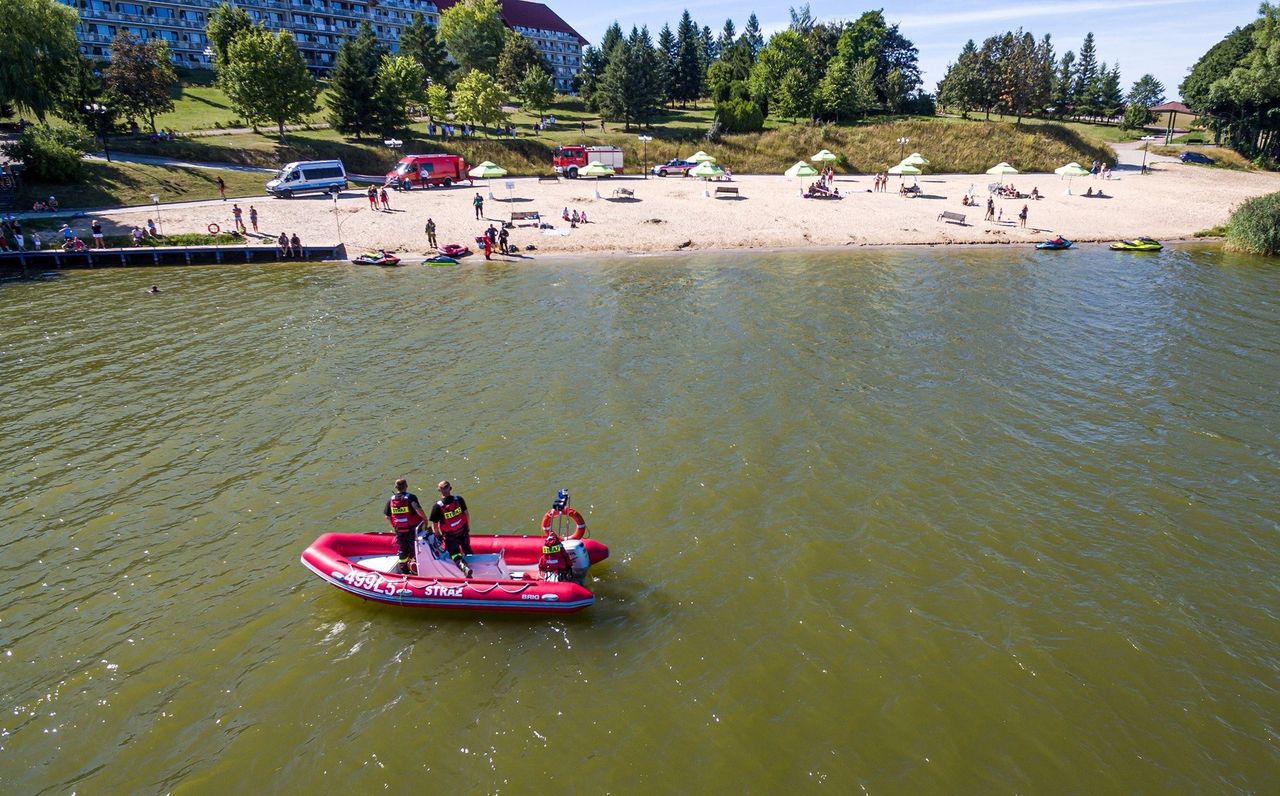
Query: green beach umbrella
[[1002, 168], [1070, 171], [596, 169], [700, 157], [825, 156], [487, 171], [708, 171], [916, 159], [905, 168], [801, 169]]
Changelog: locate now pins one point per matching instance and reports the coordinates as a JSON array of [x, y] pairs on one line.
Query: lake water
[[894, 521]]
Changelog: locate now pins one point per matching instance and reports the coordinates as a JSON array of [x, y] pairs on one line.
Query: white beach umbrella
[[825, 156], [801, 169], [1002, 168], [905, 168], [700, 157], [916, 159], [488, 170], [708, 171]]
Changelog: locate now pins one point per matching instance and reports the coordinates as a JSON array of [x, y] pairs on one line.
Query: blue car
[[1196, 157]]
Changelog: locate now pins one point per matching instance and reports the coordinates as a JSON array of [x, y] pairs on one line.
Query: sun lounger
[[625, 192]]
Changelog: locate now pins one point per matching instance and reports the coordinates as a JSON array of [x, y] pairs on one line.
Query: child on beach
[[386, 203]]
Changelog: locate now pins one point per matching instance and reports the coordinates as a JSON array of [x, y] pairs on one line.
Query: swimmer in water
[[154, 289]]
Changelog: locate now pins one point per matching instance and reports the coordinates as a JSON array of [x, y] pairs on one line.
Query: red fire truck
[[568, 159]]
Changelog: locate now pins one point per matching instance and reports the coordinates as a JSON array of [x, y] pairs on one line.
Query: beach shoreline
[[673, 215]]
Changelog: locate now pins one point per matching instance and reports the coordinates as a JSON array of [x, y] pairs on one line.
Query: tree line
[[812, 70], [1013, 73], [1236, 87]]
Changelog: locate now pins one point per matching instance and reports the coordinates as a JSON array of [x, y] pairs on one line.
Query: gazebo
[[1173, 109]]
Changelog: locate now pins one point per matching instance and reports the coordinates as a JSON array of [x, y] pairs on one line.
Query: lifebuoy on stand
[[214, 229], [571, 513]]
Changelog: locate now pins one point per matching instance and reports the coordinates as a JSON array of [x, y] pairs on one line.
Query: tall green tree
[[593, 64], [140, 77], [39, 56], [687, 74], [518, 56], [401, 82], [478, 99], [1086, 75], [667, 50], [474, 33], [1110, 92], [728, 38], [1064, 82], [628, 91], [1145, 93], [755, 38], [1253, 90], [354, 103], [841, 94], [221, 27], [266, 79], [438, 101], [420, 42], [536, 90], [962, 86]]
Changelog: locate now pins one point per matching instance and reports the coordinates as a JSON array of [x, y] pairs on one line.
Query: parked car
[[1195, 157], [680, 167]]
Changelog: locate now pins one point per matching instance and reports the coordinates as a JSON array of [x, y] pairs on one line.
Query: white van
[[310, 175]]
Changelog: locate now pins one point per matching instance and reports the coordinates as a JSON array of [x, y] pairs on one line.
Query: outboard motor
[[578, 558]]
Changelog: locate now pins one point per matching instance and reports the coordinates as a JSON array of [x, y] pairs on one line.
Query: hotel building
[[319, 27]]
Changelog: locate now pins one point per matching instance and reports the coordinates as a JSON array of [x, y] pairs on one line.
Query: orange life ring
[[214, 229], [572, 514]]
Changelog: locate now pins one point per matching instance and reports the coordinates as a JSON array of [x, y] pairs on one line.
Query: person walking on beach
[[478, 203], [222, 189], [405, 514], [372, 193], [1022, 217], [449, 521], [253, 217], [431, 233], [991, 209], [238, 215]]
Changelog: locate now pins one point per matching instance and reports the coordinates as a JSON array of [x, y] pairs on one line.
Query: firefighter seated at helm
[[554, 563]]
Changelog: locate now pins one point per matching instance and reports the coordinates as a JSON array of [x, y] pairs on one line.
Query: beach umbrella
[[916, 159], [801, 169], [700, 157], [596, 169], [905, 168], [487, 171], [825, 156], [708, 171], [1002, 168], [1069, 171]]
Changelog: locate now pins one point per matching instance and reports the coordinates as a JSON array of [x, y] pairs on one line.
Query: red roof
[[1176, 107], [527, 15]]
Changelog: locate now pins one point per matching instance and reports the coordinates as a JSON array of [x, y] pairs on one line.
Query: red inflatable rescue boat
[[505, 574]]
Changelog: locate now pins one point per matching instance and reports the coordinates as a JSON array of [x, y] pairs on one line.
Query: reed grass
[[1255, 226]]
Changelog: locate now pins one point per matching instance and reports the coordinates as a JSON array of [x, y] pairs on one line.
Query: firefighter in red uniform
[[450, 522], [554, 562], [405, 514]]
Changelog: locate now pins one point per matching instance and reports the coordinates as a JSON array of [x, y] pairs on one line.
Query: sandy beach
[[1174, 201]]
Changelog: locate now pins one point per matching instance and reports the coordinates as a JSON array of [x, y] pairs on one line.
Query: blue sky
[[1162, 37]]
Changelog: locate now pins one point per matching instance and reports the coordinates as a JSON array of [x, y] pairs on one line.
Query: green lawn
[[207, 108], [120, 184]]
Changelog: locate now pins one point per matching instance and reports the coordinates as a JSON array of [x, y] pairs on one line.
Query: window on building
[[162, 12], [129, 8]]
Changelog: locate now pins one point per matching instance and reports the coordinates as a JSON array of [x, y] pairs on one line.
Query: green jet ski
[[1137, 245]]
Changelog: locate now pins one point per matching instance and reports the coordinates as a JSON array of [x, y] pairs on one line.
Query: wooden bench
[[549, 178], [727, 189], [625, 192], [947, 215], [525, 215]]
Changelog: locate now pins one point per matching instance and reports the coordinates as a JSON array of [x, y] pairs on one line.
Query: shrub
[[739, 116], [1255, 226], [50, 154]]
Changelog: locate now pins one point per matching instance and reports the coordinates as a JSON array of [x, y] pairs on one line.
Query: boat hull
[[506, 577]]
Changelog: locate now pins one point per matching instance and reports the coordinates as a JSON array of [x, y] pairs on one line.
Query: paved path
[[158, 160]]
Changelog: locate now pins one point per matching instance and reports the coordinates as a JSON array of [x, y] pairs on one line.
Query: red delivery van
[[420, 171]]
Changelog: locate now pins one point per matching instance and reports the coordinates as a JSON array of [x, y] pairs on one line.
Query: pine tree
[[753, 36], [687, 76], [1144, 94], [628, 91], [667, 61], [421, 43], [1110, 93], [728, 37], [353, 101], [518, 55], [1086, 75], [1064, 82]]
